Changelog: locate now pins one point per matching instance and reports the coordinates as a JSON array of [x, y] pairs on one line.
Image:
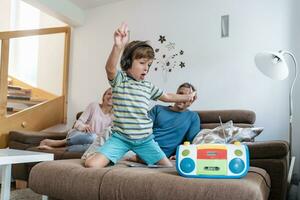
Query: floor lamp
[[274, 65]]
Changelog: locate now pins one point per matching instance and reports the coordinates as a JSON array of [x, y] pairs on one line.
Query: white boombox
[[212, 160]]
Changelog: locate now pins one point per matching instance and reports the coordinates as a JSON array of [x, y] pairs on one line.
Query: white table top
[[13, 156]]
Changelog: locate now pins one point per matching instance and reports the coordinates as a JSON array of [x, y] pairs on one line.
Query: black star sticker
[[170, 70], [182, 65], [164, 56], [168, 63], [162, 39], [181, 52], [156, 50], [155, 68]]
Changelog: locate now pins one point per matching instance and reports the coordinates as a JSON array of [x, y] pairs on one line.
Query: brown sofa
[[68, 179]]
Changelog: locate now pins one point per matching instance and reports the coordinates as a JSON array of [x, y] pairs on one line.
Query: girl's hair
[[136, 50], [106, 91]]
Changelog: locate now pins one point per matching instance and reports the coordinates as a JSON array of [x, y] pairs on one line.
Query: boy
[[172, 125], [132, 128]]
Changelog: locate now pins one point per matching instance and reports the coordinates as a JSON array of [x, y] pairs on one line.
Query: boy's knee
[[90, 164], [96, 161]]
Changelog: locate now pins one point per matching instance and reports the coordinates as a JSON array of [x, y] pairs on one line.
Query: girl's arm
[[81, 123]]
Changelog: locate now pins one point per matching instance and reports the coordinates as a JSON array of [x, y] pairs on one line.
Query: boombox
[[212, 160]]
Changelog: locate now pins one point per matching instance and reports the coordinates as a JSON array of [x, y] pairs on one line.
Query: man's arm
[[170, 97], [152, 113], [120, 40], [194, 128]]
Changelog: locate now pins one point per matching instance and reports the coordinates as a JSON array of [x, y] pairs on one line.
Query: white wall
[[295, 48], [51, 57], [65, 10], [36, 60], [223, 70], [4, 15]]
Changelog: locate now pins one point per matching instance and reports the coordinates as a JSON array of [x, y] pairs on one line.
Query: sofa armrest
[[268, 149], [34, 137], [273, 157]]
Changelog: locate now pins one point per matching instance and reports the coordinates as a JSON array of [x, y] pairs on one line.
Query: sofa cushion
[[34, 138], [237, 116], [68, 179], [156, 184], [58, 153]]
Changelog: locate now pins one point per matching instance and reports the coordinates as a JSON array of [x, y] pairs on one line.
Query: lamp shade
[[272, 65]]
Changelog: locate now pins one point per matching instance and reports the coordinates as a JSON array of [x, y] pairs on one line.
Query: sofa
[[67, 178]]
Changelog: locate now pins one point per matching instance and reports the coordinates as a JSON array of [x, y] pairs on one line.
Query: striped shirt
[[131, 101]]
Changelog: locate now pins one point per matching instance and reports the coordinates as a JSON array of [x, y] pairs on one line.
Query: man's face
[[183, 105], [139, 68]]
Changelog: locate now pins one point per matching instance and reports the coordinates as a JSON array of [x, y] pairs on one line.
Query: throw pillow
[[227, 133], [99, 141]]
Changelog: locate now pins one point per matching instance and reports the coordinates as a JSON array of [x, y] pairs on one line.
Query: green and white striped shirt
[[131, 101]]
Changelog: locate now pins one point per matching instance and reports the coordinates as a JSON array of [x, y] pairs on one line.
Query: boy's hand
[[121, 36], [192, 97]]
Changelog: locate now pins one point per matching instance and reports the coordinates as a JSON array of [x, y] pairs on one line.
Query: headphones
[[126, 59]]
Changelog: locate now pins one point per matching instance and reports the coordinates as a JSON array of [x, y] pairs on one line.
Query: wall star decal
[[167, 57], [162, 38]]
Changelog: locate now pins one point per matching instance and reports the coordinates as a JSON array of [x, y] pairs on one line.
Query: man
[[172, 125]]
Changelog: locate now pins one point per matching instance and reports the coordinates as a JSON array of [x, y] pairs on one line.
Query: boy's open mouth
[[143, 75]]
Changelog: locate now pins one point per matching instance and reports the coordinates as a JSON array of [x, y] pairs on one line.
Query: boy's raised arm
[[120, 40], [170, 97]]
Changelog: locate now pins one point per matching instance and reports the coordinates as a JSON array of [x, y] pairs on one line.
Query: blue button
[[187, 165], [236, 165]]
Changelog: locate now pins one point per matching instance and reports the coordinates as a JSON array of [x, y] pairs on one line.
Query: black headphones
[[126, 59]]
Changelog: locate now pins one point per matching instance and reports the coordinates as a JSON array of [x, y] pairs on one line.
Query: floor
[[24, 194]]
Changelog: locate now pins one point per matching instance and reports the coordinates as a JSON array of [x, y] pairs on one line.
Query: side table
[[13, 156]]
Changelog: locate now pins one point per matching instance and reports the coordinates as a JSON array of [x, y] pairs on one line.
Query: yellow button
[[237, 143], [186, 143]]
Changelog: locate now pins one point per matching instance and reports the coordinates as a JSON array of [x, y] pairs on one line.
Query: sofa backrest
[[210, 118], [241, 118]]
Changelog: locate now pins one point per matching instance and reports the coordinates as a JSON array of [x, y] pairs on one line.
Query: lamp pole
[[292, 158]]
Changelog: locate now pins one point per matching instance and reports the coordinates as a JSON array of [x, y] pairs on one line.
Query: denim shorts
[[117, 145]]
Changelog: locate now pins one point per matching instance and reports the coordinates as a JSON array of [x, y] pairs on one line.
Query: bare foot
[[135, 158], [172, 158], [44, 147], [53, 143], [43, 142], [47, 142], [132, 158]]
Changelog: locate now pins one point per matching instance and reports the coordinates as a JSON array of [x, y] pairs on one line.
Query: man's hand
[[121, 36]]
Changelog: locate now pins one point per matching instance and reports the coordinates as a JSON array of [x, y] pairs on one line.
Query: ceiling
[[86, 4]]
